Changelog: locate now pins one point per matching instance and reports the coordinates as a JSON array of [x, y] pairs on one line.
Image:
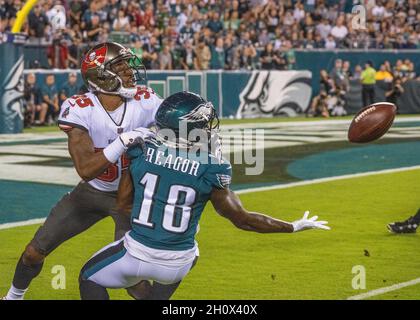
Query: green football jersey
[[171, 189]]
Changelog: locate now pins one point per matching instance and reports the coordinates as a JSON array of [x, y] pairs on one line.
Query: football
[[372, 122]]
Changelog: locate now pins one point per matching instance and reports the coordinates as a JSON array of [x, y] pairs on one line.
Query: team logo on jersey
[[66, 112], [202, 112], [94, 59], [224, 180]]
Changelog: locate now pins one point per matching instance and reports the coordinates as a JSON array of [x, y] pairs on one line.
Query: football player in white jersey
[[100, 125]]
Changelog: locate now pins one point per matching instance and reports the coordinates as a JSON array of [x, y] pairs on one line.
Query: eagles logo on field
[[224, 180], [200, 113], [275, 93]]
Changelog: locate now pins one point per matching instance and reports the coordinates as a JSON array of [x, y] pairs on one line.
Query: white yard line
[[321, 180], [275, 187], [21, 223], [380, 291]]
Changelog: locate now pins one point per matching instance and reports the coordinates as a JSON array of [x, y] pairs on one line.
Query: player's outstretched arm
[[228, 205], [88, 163], [125, 194]]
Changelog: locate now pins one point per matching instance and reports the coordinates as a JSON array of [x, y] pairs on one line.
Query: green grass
[[45, 129], [235, 264]]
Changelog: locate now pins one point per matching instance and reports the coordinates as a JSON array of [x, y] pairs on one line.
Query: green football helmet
[[184, 112], [111, 68]]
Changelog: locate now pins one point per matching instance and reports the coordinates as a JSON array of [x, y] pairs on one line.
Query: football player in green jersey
[[172, 176]]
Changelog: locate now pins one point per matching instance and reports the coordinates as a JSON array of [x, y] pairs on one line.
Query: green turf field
[[236, 264]]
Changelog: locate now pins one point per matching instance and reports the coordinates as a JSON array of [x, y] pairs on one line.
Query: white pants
[[114, 267]]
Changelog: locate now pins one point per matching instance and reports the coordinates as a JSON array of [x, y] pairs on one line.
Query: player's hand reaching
[[311, 223], [126, 140], [134, 137]]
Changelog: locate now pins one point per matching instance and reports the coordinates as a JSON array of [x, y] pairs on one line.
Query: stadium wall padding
[[11, 83], [315, 61], [233, 93]]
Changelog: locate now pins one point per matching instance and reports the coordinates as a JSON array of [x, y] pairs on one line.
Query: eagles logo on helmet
[[188, 110], [100, 73]]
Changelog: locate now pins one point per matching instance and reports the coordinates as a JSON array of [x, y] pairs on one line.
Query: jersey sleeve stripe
[[66, 126]]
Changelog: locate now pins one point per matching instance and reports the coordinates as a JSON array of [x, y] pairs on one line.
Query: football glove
[[135, 137], [312, 223], [125, 141]]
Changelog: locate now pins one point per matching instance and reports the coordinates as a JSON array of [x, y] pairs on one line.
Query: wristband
[[114, 151]]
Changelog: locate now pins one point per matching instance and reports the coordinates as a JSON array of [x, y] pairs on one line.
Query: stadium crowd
[[214, 34], [219, 34]]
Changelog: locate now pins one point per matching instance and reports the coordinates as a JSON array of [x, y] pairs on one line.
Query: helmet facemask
[[120, 75]]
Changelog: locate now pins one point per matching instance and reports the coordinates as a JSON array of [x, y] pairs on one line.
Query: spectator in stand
[[357, 72], [324, 29], [186, 32], [248, 55], [202, 55], [137, 48], [218, 55], [267, 57], [58, 53], [290, 56], [151, 54], [165, 58], [37, 22], [383, 74], [337, 74], [368, 84], [411, 73], [93, 29], [330, 42], [215, 25], [235, 21], [148, 16], [49, 101], [319, 105], [122, 23], [347, 74], [75, 13], [339, 31], [396, 91], [188, 56], [69, 88], [32, 96]]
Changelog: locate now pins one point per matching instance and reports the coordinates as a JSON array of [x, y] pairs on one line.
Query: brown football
[[372, 122]]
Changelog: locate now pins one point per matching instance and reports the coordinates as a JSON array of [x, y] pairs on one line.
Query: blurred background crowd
[[335, 85], [221, 35], [214, 34]]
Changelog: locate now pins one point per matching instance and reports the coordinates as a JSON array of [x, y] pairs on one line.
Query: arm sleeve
[[72, 116]]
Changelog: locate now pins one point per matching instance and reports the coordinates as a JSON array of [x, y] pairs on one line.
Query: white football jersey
[[87, 113]]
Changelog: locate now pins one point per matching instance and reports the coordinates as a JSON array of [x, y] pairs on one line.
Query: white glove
[[126, 140], [132, 138], [312, 223]]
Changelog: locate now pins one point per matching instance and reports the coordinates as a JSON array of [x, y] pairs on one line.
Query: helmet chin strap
[[127, 92], [123, 92]]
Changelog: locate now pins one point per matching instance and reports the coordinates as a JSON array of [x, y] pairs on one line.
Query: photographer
[[319, 106], [396, 91]]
